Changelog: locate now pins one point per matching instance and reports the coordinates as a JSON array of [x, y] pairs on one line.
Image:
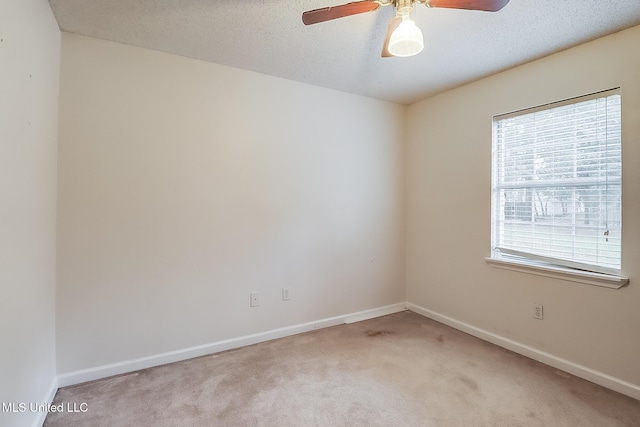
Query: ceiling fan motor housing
[[403, 7]]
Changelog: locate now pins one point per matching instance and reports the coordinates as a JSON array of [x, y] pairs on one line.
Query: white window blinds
[[556, 185]]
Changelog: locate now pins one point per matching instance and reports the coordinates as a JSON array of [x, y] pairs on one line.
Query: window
[[556, 185]]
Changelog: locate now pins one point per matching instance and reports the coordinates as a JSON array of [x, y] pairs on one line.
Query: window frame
[[536, 265]]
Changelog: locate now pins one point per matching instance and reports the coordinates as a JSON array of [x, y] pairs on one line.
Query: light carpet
[[398, 370]]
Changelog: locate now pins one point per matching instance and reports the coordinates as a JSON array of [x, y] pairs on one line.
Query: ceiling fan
[[404, 38]]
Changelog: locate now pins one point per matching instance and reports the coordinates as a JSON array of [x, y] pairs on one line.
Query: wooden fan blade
[[334, 12], [393, 24], [486, 5]]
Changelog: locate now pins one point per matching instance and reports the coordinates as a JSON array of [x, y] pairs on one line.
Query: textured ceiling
[[344, 54]]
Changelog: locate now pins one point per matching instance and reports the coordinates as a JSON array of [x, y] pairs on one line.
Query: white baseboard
[[99, 372], [588, 374], [373, 313], [48, 399]]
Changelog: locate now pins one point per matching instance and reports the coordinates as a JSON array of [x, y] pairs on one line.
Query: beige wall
[[448, 213], [29, 72], [185, 185]]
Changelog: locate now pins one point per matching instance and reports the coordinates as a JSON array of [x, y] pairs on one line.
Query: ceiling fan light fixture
[[406, 40]]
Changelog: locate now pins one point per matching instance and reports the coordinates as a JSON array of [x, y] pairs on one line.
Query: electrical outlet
[[286, 295], [255, 299], [537, 311]]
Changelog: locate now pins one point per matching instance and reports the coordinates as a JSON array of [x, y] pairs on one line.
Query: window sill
[[556, 272]]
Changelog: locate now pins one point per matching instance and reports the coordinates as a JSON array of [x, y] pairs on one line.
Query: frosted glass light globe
[[406, 40]]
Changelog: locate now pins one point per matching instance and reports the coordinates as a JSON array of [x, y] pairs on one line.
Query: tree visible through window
[[556, 188]]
